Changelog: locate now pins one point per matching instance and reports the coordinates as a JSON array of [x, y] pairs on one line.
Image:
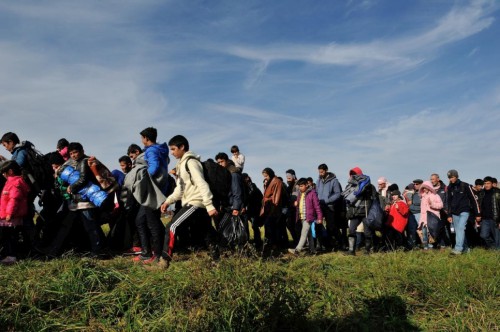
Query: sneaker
[[142, 259], [293, 251], [455, 252], [150, 260], [9, 260], [133, 251]]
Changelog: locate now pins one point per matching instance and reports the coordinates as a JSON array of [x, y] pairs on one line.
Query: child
[[13, 207], [237, 158], [397, 220], [308, 211]]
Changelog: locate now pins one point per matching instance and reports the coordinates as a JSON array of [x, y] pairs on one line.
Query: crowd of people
[[77, 195]]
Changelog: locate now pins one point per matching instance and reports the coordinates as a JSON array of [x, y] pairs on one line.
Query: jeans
[[489, 233], [459, 223], [411, 229]]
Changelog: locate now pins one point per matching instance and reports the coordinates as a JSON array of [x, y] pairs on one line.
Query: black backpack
[[37, 170], [218, 179]]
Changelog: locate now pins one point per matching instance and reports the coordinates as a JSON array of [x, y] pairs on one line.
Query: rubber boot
[[368, 245], [352, 244]]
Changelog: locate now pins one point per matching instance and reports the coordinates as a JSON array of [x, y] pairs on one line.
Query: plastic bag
[[233, 230]]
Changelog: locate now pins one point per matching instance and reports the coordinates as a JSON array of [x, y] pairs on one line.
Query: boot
[[368, 245], [352, 244]]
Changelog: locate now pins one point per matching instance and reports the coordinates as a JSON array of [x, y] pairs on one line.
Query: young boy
[[196, 199], [237, 158], [308, 211]]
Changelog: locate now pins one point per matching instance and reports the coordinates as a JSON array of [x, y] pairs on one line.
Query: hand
[[478, 219], [213, 213], [295, 203], [450, 219], [319, 222], [164, 207], [243, 211], [236, 212], [68, 190], [7, 218]]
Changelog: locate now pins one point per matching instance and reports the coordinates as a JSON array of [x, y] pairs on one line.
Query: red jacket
[[398, 217], [14, 200]]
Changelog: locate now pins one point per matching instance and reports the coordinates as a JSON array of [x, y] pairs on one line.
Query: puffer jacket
[[85, 176], [398, 216], [156, 156], [430, 201], [14, 200]]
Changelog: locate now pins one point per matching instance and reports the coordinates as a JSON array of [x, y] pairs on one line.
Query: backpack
[[355, 188], [171, 185], [375, 215], [38, 170], [218, 179]]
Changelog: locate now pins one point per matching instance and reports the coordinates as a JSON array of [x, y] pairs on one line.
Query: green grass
[[416, 291]]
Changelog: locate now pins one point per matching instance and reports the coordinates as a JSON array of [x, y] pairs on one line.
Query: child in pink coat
[[430, 201], [13, 207]]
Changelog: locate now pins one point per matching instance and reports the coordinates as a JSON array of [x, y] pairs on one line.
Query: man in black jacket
[[461, 202], [489, 202]]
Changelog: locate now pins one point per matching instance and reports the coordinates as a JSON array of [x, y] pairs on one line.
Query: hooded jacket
[[430, 201], [14, 200], [191, 190], [329, 191], [364, 200], [157, 159]]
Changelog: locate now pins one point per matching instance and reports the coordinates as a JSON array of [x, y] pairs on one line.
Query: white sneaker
[[8, 260]]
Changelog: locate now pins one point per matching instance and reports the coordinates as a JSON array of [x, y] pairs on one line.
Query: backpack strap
[[187, 168]]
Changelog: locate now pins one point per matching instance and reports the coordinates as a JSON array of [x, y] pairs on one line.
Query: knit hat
[[452, 173], [418, 181]]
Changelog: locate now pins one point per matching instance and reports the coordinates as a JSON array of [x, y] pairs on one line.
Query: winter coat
[[329, 191], [157, 159], [460, 199], [398, 217], [313, 209], [430, 201], [85, 177], [272, 202], [14, 200], [495, 204]]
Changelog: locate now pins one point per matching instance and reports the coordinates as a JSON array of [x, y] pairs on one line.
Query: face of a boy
[[177, 152], [303, 188], [75, 154]]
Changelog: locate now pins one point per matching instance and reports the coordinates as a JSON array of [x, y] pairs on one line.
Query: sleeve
[[317, 208], [84, 170], [15, 199], [334, 195], [436, 203], [21, 158], [403, 209], [236, 191], [153, 160]]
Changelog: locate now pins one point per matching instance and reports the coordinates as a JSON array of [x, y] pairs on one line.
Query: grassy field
[[415, 291]]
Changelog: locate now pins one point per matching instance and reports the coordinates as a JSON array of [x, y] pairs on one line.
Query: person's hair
[[75, 146], [222, 155], [435, 174], [269, 171], [125, 159], [11, 165], [134, 148], [62, 143], [302, 181], [323, 167], [488, 179], [478, 182], [234, 149], [150, 133], [55, 158], [393, 187], [178, 141], [10, 137], [495, 180], [310, 179]]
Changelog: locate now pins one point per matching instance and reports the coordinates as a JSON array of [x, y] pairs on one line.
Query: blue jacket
[[329, 190], [19, 155], [156, 156]]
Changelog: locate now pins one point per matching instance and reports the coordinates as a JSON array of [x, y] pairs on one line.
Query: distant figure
[[237, 158]]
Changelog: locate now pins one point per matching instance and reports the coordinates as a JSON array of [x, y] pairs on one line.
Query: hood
[[428, 185], [356, 170], [190, 154]]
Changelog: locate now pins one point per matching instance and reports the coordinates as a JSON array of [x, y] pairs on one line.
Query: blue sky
[[401, 89]]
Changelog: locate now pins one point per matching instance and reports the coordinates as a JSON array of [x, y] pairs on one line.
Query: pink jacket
[[14, 200], [429, 202]]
